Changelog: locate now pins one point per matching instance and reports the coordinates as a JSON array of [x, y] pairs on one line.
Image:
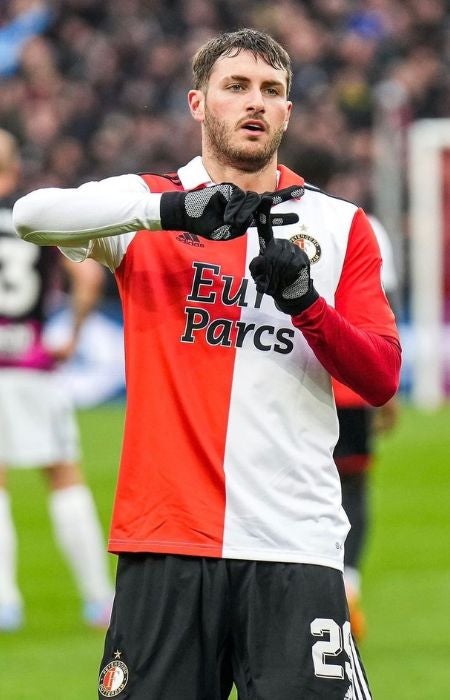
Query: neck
[[264, 180]]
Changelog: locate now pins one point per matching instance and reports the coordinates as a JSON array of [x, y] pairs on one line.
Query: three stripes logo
[[190, 239]]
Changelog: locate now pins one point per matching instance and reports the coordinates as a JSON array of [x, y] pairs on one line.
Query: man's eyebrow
[[244, 79], [238, 78]]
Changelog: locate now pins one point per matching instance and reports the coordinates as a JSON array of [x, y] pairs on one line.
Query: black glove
[[220, 212], [282, 269], [264, 220]]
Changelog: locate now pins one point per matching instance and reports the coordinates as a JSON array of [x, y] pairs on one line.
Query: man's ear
[[288, 116], [196, 101]]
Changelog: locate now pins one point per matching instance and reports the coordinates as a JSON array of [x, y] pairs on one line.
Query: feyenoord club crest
[[308, 244], [113, 678]]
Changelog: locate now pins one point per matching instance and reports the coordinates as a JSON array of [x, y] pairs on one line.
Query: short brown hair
[[231, 44]]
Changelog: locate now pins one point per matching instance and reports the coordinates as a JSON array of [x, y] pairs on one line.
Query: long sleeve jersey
[[231, 420]]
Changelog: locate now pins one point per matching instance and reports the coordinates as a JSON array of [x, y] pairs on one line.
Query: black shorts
[[186, 628], [355, 432]]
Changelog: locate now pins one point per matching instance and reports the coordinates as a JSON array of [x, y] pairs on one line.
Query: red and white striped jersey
[[231, 422]]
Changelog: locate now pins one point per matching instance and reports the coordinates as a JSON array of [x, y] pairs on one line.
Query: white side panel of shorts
[[37, 421], [360, 687]]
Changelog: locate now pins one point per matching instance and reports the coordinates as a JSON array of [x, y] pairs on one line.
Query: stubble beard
[[251, 158]]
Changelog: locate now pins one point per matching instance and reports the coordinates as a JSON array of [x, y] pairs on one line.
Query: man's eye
[[236, 87]]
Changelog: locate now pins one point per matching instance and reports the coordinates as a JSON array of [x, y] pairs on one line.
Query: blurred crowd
[[94, 88]]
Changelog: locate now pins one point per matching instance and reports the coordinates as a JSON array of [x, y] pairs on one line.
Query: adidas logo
[[349, 694], [190, 239]]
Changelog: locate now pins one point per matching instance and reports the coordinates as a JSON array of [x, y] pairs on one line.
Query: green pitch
[[406, 572]]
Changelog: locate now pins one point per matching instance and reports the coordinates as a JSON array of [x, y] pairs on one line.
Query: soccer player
[[227, 519], [37, 423]]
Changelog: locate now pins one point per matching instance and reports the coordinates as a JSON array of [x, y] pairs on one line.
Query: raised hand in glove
[[282, 269], [220, 212]]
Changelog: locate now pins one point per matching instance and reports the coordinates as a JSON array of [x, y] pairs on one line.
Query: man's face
[[244, 111]]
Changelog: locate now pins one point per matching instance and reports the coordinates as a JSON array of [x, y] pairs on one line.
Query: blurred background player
[[359, 423], [354, 454], [37, 422]]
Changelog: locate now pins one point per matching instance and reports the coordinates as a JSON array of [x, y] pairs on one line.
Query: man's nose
[[255, 101]]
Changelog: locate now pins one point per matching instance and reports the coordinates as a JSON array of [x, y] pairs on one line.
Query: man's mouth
[[254, 126]]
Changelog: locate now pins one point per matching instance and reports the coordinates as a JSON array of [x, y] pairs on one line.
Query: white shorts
[[37, 420]]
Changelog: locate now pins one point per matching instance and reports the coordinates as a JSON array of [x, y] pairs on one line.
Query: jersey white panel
[[287, 507]]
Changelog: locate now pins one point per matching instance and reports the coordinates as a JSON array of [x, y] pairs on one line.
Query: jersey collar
[[194, 175]]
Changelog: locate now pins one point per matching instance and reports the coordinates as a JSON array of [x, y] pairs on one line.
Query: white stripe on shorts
[[360, 687]]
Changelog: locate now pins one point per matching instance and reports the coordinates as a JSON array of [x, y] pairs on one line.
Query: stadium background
[[93, 89]]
